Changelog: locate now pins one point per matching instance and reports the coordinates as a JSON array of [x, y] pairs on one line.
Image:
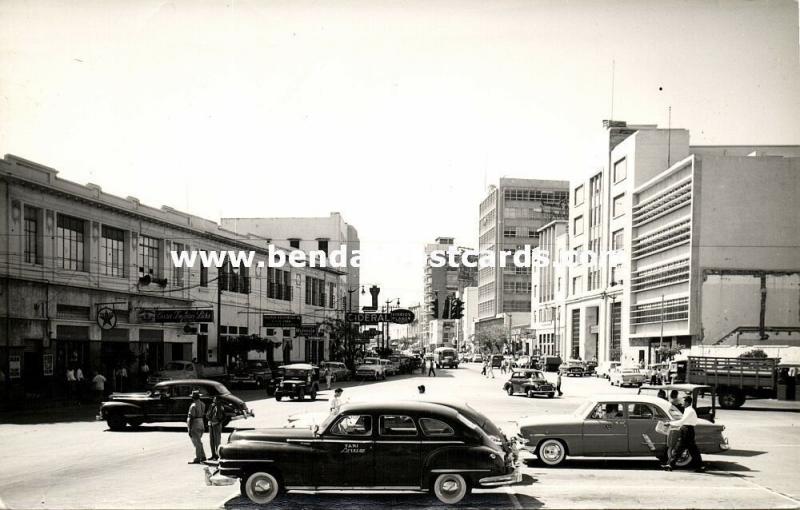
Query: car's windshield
[[296, 374], [581, 411], [536, 375], [370, 361]]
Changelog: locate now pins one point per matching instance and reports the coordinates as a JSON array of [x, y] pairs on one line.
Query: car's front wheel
[[450, 488], [551, 452], [261, 488], [116, 422]]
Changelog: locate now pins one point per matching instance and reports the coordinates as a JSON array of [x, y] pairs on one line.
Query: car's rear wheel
[[551, 452], [116, 422], [450, 488], [510, 390], [261, 488], [135, 422]]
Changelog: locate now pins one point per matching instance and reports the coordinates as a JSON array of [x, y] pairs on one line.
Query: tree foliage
[[491, 338], [754, 353]]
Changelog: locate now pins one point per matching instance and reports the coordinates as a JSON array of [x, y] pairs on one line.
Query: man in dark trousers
[[686, 440], [431, 371], [558, 383], [215, 416]]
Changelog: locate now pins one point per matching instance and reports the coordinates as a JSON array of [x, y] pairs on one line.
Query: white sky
[[395, 114]]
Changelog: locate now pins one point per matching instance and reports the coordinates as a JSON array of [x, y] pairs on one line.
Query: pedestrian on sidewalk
[[483, 370], [144, 373], [71, 383], [558, 383], [98, 386], [215, 416], [194, 422], [686, 439], [431, 371], [490, 370]]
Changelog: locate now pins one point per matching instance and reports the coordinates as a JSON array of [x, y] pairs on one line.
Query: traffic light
[[446, 311], [435, 304], [457, 309]]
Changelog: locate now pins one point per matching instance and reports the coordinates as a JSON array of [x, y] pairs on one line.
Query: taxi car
[[613, 426], [528, 382], [415, 445], [168, 401]]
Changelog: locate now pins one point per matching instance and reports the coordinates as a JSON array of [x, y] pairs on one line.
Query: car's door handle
[[607, 426]]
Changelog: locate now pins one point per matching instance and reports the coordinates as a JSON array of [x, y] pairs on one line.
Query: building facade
[[510, 217], [87, 280], [550, 290]]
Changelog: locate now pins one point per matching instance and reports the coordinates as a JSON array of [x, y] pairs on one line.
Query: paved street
[[74, 462]]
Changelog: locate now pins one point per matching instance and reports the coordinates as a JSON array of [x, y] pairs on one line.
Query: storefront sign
[[401, 316], [47, 364], [281, 321], [308, 330], [14, 367], [106, 318], [176, 315]]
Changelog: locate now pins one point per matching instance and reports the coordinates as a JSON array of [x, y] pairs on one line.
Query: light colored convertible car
[[613, 426]]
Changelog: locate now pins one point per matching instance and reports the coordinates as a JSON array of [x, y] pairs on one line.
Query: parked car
[[187, 370], [614, 426], [496, 360], [371, 368], [627, 377], [550, 363], [696, 391], [298, 380], [591, 367], [167, 402], [477, 358], [573, 368], [339, 371], [254, 372], [529, 382], [452, 454]]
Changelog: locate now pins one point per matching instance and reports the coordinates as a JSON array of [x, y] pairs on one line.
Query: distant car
[[591, 368], [445, 357], [528, 382], [366, 447], [627, 377], [299, 380], [254, 372], [613, 426], [339, 371], [168, 401], [573, 368], [477, 358], [605, 368], [496, 360], [371, 368]]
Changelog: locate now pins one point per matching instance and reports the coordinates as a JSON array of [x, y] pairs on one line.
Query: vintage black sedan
[[168, 401], [419, 446], [529, 382]]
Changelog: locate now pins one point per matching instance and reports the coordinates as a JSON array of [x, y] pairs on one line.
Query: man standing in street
[[431, 371], [686, 439], [215, 416], [558, 383], [194, 422], [99, 386]]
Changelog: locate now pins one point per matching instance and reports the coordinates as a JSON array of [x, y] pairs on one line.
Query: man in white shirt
[[99, 386], [686, 440], [336, 401]]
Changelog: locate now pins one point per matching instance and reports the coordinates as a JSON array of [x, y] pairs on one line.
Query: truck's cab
[[445, 357]]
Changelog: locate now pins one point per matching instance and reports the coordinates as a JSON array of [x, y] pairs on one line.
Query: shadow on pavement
[[744, 453], [340, 500], [633, 464]]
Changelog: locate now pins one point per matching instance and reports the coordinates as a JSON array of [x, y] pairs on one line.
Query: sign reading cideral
[[399, 316], [175, 315]]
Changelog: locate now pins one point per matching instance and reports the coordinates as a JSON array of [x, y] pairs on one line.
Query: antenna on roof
[[669, 134], [613, 65]]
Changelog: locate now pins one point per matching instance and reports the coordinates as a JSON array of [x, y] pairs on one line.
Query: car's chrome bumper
[[509, 479], [215, 478], [724, 446]]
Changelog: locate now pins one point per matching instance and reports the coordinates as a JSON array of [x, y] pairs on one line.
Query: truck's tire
[[730, 398]]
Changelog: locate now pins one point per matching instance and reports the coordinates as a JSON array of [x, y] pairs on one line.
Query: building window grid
[[32, 236], [112, 251], [676, 199], [149, 255], [620, 170], [670, 310], [663, 198], [666, 274], [70, 245], [660, 239], [576, 334]]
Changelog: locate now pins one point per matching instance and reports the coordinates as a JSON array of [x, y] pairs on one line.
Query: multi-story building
[[87, 279], [510, 218], [441, 283], [327, 234], [549, 289], [681, 223]]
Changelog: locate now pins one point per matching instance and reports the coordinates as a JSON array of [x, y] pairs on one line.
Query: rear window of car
[[432, 427], [394, 425]]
